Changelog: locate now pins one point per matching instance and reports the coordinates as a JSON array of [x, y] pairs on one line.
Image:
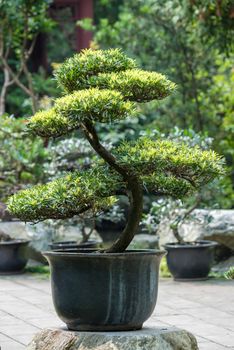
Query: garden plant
[[21, 23], [189, 260], [200, 35], [21, 159], [109, 289]]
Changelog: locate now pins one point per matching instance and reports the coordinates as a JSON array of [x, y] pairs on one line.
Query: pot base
[[104, 328]]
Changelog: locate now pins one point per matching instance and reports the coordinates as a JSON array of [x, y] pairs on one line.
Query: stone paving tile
[[25, 338], [8, 343], [198, 327], [10, 320], [53, 322], [18, 329], [11, 345], [3, 338], [211, 346], [201, 340], [203, 308]]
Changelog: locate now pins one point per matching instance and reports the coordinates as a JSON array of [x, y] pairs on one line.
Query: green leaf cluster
[[136, 84], [164, 184], [74, 73], [230, 273], [165, 167], [169, 159], [66, 196], [48, 123], [86, 105]]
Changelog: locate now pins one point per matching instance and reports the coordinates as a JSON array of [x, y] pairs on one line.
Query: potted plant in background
[[21, 157], [13, 254], [111, 223], [188, 260], [85, 225], [115, 288]]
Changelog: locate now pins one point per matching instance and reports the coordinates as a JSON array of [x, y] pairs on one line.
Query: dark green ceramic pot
[[190, 261], [104, 292], [13, 256]]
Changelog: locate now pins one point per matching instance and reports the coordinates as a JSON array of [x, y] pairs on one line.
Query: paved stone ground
[[204, 308]]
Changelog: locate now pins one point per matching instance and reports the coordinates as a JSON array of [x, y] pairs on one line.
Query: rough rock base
[[145, 339]]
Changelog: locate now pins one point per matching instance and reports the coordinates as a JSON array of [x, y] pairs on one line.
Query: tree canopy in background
[[21, 22], [215, 19], [165, 36], [189, 41], [192, 42]]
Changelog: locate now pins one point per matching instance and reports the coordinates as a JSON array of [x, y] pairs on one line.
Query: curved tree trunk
[[134, 217], [4, 91], [134, 188]]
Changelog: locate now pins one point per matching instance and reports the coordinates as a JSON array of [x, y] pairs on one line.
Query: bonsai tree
[[104, 87]]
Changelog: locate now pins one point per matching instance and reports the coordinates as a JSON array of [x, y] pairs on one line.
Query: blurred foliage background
[[191, 41]]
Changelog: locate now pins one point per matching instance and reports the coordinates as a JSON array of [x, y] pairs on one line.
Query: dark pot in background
[[109, 231], [64, 245], [102, 291], [13, 256], [190, 261]]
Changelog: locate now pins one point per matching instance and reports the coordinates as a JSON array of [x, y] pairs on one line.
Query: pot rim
[[15, 241], [189, 245], [71, 242], [94, 253], [63, 242]]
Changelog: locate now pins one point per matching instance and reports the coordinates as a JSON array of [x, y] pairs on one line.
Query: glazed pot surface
[[190, 261], [104, 292], [13, 256]]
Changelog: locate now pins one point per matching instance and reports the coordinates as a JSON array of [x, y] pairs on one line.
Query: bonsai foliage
[[103, 87], [81, 106]]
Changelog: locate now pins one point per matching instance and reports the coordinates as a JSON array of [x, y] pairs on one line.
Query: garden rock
[[223, 266], [145, 339], [217, 225], [144, 241], [15, 229], [39, 236]]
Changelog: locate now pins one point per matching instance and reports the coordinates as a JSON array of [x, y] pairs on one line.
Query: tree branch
[[15, 78], [93, 139], [134, 190], [4, 91], [180, 219], [134, 217]]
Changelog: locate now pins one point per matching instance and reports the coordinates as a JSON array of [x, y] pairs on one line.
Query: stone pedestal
[[145, 339]]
